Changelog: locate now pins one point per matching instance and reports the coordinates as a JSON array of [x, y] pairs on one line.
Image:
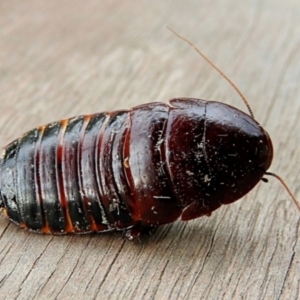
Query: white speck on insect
[[153, 209], [207, 178], [161, 197]]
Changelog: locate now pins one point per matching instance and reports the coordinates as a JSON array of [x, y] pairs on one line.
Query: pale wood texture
[[64, 58]]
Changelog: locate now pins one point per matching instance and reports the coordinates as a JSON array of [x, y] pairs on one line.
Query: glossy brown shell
[[143, 167]]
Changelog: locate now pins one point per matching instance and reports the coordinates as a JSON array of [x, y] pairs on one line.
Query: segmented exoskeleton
[[132, 169]]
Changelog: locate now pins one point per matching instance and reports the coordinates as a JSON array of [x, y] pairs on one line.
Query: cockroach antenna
[[215, 67], [285, 186], [243, 98]]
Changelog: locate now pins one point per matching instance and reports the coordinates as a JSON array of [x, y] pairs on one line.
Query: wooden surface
[[64, 58]]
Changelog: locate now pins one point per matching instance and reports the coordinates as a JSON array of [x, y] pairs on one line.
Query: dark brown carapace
[[143, 167], [132, 170]]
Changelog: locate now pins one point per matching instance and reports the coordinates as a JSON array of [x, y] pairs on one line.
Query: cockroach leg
[[134, 233]]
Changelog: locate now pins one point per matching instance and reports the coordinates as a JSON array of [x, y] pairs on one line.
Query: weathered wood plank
[[63, 58]]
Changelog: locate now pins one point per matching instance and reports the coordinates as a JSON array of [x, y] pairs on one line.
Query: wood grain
[[70, 57]]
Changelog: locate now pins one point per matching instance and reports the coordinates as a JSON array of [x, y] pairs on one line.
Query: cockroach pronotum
[[133, 170]]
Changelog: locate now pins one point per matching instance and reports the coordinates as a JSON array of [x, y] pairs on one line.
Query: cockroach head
[[216, 154], [239, 151]]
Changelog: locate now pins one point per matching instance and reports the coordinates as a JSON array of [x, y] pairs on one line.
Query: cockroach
[[133, 170]]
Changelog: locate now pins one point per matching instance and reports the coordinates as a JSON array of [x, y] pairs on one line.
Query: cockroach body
[[132, 170]]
